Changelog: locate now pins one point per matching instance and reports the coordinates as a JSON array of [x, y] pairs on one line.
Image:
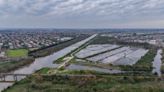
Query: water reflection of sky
[[157, 63]]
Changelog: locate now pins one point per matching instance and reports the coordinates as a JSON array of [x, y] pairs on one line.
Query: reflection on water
[[157, 63]]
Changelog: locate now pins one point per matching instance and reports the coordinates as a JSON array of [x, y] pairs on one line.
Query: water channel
[[44, 62], [157, 63]]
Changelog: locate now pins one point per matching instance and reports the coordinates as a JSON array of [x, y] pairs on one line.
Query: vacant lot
[[17, 53]]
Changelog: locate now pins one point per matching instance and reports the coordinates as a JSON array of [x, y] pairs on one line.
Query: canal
[[157, 63], [44, 62]]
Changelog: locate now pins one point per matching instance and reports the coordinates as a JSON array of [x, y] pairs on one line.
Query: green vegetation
[[60, 60], [92, 72], [63, 71], [13, 65], [17, 53], [162, 69], [144, 64], [137, 78], [43, 71], [103, 40], [18, 58], [81, 72], [98, 83]]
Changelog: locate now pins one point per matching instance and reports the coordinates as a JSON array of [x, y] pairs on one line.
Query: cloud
[[81, 10], [59, 7]]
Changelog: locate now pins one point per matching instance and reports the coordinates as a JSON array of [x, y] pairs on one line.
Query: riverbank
[[16, 64], [47, 61], [9, 66], [71, 54], [162, 67], [87, 83], [98, 82], [157, 63], [51, 49], [15, 59]]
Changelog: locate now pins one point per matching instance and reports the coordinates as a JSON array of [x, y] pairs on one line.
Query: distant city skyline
[[82, 14]]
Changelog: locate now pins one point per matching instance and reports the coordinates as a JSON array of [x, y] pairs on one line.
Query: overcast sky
[[82, 13]]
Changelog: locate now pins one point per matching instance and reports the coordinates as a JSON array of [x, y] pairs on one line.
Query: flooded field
[[107, 54], [112, 55], [94, 49], [131, 58]]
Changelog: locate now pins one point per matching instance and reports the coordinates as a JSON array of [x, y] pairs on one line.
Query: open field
[[97, 83], [104, 40], [17, 53]]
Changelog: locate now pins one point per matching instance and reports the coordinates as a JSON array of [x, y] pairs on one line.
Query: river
[[44, 62], [157, 63]]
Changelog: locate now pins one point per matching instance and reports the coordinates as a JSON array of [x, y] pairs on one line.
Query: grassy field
[[99, 83], [17, 53], [60, 60], [43, 71], [103, 40]]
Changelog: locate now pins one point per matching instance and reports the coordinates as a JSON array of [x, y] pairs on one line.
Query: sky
[[81, 13]]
